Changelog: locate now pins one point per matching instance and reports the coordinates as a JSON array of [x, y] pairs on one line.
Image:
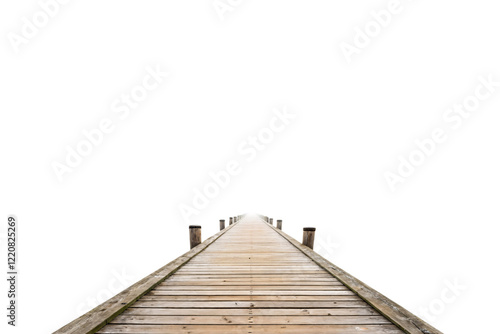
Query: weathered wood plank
[[255, 329], [316, 277], [250, 298], [250, 304], [201, 293], [255, 320], [231, 287], [305, 284], [253, 311]]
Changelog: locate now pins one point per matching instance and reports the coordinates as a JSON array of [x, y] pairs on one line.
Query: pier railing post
[[222, 224], [270, 221], [194, 235], [308, 237], [279, 222], [230, 220]]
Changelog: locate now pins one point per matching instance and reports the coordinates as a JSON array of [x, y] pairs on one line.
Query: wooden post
[[278, 224], [194, 235], [235, 219], [267, 219], [222, 224], [230, 220], [308, 237], [270, 221]]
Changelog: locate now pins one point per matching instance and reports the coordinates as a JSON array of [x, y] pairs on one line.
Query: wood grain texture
[[308, 237]]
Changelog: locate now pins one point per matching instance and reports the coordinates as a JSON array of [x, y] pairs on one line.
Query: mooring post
[[267, 219], [308, 237], [278, 224], [222, 224], [194, 235], [230, 220], [235, 219], [270, 221]]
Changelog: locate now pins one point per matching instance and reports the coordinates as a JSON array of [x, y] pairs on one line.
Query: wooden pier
[[249, 278]]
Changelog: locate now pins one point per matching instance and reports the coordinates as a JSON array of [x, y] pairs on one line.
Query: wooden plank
[[254, 311], [317, 277], [250, 298], [231, 287], [250, 304], [256, 284], [268, 279], [255, 329], [200, 293], [303, 272], [255, 320]]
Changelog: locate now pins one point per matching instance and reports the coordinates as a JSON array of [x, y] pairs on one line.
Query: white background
[[118, 211]]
